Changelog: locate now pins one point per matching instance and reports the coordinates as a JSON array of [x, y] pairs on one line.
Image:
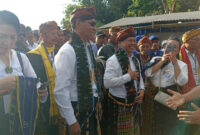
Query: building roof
[[181, 16]]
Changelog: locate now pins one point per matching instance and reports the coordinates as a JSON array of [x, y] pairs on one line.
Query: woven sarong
[[24, 107], [125, 121]]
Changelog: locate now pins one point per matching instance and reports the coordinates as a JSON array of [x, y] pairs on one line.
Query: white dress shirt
[[17, 71], [167, 74], [94, 47], [195, 65], [31, 47], [66, 81], [115, 80]]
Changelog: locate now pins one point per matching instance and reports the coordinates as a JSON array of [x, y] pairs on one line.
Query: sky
[[34, 12]]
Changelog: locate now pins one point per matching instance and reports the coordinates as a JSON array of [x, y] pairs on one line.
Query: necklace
[[9, 69], [144, 60]]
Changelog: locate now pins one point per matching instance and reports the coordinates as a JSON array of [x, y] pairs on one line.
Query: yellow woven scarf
[[40, 50]]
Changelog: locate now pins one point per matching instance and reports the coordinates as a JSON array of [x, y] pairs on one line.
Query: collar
[[130, 57], [50, 49], [188, 52]]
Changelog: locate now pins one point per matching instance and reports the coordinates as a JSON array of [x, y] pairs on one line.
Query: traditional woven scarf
[[123, 59], [50, 49], [40, 50], [85, 95], [24, 107], [191, 81]]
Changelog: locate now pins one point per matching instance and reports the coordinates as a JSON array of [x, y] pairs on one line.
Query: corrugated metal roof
[[181, 16]]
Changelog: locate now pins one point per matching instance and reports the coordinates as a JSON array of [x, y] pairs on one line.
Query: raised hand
[[190, 117], [176, 100], [165, 57]]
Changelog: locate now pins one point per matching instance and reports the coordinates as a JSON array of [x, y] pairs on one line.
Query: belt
[[120, 101]]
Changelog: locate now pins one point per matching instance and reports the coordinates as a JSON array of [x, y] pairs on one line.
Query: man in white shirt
[[126, 88], [42, 59], [76, 84], [29, 39], [190, 54]]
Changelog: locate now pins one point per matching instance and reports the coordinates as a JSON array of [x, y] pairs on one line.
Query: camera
[[169, 48]]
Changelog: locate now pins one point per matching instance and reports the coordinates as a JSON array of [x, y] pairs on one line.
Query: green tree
[[107, 10], [188, 5], [66, 20], [155, 7], [145, 7], [111, 10]]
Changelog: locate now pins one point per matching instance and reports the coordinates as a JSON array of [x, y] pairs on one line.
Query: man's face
[[29, 35], [99, 40], [113, 37], [22, 33], [50, 37], [8, 37], [61, 39], [144, 48], [87, 28], [155, 44], [194, 43], [128, 44], [176, 46]]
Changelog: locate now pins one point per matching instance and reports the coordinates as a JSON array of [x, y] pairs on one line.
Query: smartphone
[[169, 48], [44, 85]]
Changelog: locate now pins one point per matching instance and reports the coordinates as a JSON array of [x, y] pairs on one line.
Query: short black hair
[[175, 37], [7, 17]]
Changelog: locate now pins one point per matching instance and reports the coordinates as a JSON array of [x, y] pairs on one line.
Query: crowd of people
[[96, 82]]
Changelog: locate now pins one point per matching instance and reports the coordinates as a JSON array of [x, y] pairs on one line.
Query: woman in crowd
[[144, 45], [166, 72], [13, 64]]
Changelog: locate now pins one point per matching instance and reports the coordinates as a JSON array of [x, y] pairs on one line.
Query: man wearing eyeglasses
[[76, 89]]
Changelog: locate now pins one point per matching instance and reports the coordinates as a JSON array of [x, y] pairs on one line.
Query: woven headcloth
[[190, 34], [85, 13], [125, 33], [143, 40]]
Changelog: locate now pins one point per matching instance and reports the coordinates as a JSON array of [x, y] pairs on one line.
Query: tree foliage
[[66, 20], [145, 7], [111, 10]]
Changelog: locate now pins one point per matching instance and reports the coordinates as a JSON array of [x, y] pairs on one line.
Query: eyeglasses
[[5, 37], [92, 24]]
